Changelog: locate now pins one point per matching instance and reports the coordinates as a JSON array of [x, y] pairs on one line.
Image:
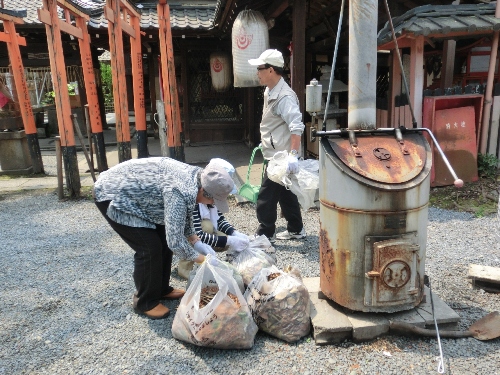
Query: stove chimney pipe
[[363, 15]]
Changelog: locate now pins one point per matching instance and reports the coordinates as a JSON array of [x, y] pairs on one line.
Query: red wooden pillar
[[138, 84], [112, 13], [53, 26], [91, 91], [170, 97], [13, 42]]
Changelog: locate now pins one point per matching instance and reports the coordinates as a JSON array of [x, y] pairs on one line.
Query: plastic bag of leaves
[[279, 302], [223, 265], [213, 312], [258, 255]]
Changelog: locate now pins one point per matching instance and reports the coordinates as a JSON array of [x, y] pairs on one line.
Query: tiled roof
[[430, 20], [183, 15]]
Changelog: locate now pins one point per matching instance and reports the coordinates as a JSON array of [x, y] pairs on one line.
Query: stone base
[[16, 172], [333, 323], [14, 152]]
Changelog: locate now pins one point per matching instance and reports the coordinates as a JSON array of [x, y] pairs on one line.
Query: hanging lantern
[[220, 71], [250, 37]]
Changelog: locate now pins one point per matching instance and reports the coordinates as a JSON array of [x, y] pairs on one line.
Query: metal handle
[[458, 182]]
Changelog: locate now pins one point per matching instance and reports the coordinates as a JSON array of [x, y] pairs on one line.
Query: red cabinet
[[455, 121]]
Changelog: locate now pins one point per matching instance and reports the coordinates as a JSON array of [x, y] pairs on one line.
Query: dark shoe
[[174, 294], [158, 312]]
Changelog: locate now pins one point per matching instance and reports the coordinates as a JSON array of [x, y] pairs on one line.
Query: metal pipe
[[488, 97], [362, 111], [457, 181], [333, 64]]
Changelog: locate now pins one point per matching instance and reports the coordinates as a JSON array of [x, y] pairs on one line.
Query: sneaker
[[271, 239], [286, 235]]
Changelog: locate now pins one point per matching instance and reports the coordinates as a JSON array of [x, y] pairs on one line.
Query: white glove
[[203, 248], [213, 261], [237, 244], [240, 235], [293, 164]]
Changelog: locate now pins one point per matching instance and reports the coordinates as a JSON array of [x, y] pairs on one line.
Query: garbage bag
[[279, 302], [213, 312], [304, 184], [222, 265], [251, 260]]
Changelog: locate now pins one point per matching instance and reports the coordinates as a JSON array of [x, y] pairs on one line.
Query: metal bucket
[[374, 193]]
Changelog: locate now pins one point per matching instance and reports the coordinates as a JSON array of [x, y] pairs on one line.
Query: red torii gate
[[53, 26], [170, 96], [13, 41], [123, 17]]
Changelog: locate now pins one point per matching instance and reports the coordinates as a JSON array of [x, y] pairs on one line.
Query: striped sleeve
[[207, 238], [223, 225]]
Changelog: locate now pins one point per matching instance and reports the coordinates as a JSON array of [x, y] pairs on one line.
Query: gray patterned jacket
[[150, 191]]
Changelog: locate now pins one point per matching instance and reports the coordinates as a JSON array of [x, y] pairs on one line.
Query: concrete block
[[408, 316], [330, 324], [312, 284], [368, 326], [14, 152], [444, 313]]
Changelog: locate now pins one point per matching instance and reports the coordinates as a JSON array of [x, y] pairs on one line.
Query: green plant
[[50, 97], [107, 83], [487, 165]]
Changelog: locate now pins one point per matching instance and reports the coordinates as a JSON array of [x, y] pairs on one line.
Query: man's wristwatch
[[294, 153]]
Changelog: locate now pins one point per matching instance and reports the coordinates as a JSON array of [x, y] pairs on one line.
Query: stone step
[[333, 323]]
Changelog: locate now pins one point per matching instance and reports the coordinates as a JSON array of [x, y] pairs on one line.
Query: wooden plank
[[448, 63], [127, 29], [484, 273], [20, 40], [494, 126], [8, 17], [395, 88], [125, 4], [44, 17], [71, 7], [443, 313], [417, 78]]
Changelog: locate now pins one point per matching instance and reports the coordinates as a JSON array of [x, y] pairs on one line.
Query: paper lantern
[[220, 71], [250, 37]]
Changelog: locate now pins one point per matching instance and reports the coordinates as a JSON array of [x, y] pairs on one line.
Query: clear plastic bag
[[222, 265], [279, 302], [213, 312], [276, 168], [304, 184], [251, 260]]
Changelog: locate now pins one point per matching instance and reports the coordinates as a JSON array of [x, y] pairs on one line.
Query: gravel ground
[[67, 301]]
